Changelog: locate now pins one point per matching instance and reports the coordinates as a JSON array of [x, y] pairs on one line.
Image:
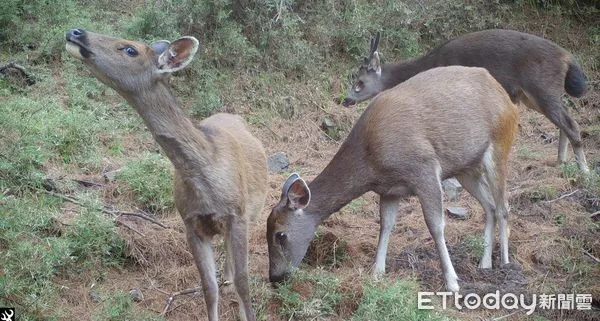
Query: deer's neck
[[394, 74], [345, 178], [181, 141]]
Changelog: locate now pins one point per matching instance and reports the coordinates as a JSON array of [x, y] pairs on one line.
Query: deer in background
[[449, 121], [220, 177], [531, 69]]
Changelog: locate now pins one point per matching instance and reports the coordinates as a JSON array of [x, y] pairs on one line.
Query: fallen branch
[[173, 295], [129, 227], [105, 210], [87, 183], [562, 196], [590, 255], [141, 215], [595, 213], [505, 316]]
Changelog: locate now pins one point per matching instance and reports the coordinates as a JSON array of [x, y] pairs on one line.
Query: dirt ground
[[161, 263]]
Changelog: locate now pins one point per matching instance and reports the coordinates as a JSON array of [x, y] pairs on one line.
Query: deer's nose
[[76, 34]]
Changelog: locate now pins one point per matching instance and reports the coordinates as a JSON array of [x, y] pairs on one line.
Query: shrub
[[149, 179]]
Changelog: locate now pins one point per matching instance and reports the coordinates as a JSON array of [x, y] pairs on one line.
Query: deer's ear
[[160, 46], [295, 192], [178, 54], [375, 63]]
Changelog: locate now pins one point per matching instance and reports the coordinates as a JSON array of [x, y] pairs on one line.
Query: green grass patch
[[317, 294], [392, 300], [119, 306], [148, 178], [35, 247]]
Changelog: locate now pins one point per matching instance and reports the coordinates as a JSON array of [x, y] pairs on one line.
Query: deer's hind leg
[[474, 182], [550, 105], [429, 191]]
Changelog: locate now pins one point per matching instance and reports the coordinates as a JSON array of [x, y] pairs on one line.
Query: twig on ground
[[86, 183], [140, 215], [595, 213], [590, 255], [563, 196], [129, 227], [505, 316], [64, 197], [105, 210], [173, 295]]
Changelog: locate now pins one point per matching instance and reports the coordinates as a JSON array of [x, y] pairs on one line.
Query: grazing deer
[[220, 174], [531, 69], [448, 121]]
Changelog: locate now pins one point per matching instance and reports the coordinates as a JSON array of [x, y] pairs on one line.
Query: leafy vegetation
[[149, 179], [267, 60]]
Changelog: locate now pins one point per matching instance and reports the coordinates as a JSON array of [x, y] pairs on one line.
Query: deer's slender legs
[[495, 169], [237, 249], [388, 207], [474, 182], [552, 108], [563, 143], [429, 192], [202, 251]]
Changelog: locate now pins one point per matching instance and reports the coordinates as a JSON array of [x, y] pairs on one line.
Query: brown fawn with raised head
[[448, 121], [531, 69], [220, 176]]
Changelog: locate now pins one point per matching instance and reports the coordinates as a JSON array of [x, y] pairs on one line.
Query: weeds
[[149, 179], [392, 301], [36, 246]]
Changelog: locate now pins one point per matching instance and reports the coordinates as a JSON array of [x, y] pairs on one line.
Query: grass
[[317, 294], [119, 306], [395, 300], [148, 178], [288, 59], [37, 247]]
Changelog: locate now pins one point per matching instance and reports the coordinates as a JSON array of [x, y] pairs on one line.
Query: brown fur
[[440, 123], [220, 176], [531, 69]]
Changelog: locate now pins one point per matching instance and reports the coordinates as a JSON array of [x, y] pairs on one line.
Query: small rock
[[327, 124], [457, 212], [136, 295], [452, 188], [94, 296], [109, 177], [330, 127], [277, 162]]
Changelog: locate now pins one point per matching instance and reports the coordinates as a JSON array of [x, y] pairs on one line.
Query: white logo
[[7, 315], [508, 301]]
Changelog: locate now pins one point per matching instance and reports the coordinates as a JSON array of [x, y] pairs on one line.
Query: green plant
[[119, 306], [149, 179], [472, 247], [94, 238], [308, 295], [36, 247], [395, 300]]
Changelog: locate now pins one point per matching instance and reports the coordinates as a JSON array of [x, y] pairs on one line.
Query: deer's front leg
[[202, 251]]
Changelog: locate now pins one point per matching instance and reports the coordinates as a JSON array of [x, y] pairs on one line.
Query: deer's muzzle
[[78, 44]]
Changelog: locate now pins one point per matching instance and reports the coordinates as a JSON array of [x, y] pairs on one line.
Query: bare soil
[[545, 231]]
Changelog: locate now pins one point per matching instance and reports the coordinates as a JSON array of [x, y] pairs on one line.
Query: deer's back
[[447, 114], [514, 58]]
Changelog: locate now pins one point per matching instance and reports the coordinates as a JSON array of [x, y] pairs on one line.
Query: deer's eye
[[280, 237], [359, 86], [130, 51]]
